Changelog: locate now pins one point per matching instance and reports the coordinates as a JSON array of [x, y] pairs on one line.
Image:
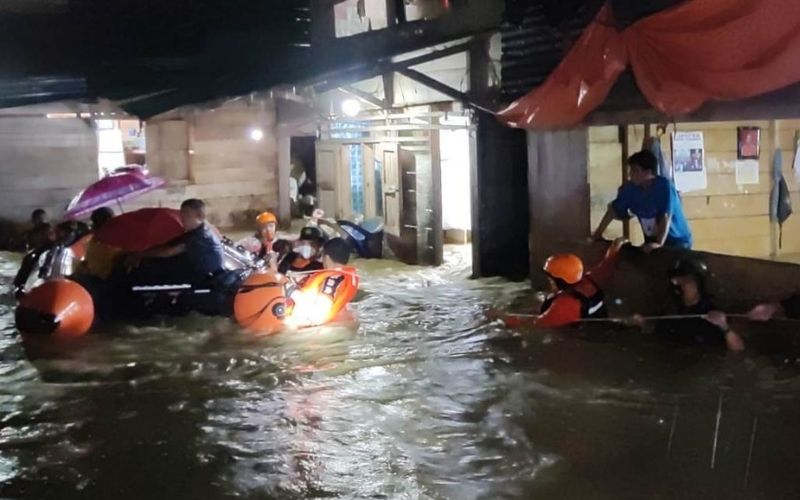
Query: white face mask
[[306, 251]]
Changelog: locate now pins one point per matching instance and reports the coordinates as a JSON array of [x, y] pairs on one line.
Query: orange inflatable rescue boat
[[60, 307], [260, 304]]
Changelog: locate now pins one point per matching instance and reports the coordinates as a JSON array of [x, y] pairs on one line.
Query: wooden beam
[[442, 88], [436, 85], [365, 51], [388, 88], [354, 74], [364, 96]]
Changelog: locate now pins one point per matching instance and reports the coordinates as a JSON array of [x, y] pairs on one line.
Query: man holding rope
[[698, 322]]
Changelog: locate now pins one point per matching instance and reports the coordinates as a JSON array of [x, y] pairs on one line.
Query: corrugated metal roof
[[537, 34]]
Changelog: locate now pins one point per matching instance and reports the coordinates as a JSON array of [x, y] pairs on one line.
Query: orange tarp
[[682, 57]]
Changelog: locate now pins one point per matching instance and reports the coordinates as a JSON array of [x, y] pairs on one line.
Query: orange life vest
[[327, 292]]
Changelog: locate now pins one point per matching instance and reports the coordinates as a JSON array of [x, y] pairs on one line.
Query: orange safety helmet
[[266, 218], [565, 267], [260, 304], [60, 307]]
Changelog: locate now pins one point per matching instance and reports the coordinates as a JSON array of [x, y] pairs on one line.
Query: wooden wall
[[43, 163], [210, 155], [729, 218], [725, 217], [785, 141], [558, 192]]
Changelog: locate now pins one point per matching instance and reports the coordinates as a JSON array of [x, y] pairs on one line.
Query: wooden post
[[437, 239], [391, 13], [774, 229], [284, 171], [190, 125], [624, 141]]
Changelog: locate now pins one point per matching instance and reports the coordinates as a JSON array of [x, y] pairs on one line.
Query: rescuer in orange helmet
[[575, 294], [267, 227]]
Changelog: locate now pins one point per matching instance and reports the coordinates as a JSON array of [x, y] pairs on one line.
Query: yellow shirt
[[100, 259]]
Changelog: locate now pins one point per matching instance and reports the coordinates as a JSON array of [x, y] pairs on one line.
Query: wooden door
[[333, 179], [392, 183], [368, 170]]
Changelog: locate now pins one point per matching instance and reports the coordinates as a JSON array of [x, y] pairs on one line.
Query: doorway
[[303, 176]]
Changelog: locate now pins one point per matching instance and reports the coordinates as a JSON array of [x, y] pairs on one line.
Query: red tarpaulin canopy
[[682, 57]]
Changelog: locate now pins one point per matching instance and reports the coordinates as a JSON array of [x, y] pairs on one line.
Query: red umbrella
[[142, 229], [122, 184]]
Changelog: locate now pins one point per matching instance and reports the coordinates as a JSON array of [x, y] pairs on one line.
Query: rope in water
[[644, 318]]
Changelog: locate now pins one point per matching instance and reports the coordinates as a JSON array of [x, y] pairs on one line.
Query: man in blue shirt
[[654, 201], [199, 252]]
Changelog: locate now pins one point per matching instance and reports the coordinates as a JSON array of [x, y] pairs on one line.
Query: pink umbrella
[[122, 184]]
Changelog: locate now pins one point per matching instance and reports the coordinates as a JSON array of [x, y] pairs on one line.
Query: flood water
[[425, 400]]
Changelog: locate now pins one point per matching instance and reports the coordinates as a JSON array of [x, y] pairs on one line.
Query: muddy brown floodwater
[[425, 400]]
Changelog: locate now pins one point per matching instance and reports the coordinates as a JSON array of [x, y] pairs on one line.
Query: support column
[[284, 171], [559, 194], [499, 200], [499, 177]]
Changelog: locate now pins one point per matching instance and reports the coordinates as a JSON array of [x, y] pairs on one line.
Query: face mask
[[305, 251]]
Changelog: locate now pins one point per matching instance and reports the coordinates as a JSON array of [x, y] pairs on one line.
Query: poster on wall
[[688, 159], [749, 143], [746, 172]]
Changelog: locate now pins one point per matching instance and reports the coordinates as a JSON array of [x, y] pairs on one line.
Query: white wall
[[455, 159]]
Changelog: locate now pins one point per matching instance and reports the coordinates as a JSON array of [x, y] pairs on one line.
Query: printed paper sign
[[747, 172], [688, 159]]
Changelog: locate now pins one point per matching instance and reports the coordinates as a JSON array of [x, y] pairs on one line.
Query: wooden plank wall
[[43, 163], [605, 173], [786, 130], [559, 194], [726, 217], [210, 155]]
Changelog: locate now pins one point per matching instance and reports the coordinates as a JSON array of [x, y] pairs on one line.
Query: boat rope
[[645, 318]]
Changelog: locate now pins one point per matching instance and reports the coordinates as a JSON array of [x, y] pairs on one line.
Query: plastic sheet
[[682, 57]]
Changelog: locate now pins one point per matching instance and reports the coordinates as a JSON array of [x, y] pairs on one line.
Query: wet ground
[[425, 400]]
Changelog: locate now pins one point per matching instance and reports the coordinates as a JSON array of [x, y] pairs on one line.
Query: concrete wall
[[210, 155], [43, 163], [726, 217]]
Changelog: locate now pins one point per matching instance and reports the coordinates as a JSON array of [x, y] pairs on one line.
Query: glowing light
[[311, 308], [256, 134], [351, 107]]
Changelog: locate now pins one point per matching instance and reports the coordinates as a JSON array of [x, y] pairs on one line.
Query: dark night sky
[[124, 48]]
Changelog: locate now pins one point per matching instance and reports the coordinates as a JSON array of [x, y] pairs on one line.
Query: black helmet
[[311, 233], [695, 268]]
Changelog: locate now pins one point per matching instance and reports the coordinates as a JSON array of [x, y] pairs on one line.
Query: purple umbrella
[[122, 184]]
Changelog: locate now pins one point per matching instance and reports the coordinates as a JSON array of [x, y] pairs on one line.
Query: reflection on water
[[425, 400]]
